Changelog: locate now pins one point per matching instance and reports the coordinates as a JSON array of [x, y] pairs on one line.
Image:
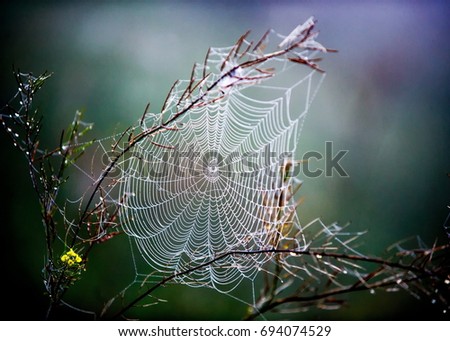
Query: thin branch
[[385, 263]]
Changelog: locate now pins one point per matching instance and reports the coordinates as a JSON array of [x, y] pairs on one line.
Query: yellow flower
[[71, 258]]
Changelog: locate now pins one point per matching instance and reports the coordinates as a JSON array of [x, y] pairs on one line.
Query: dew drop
[[447, 281], [433, 301], [372, 291], [318, 256]]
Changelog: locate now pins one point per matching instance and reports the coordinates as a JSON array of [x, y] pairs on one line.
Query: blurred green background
[[385, 99]]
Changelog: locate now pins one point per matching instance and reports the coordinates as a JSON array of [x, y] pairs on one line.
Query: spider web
[[214, 187], [206, 189]]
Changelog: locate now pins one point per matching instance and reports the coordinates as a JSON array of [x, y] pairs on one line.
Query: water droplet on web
[[372, 291], [447, 281], [392, 289], [433, 301]]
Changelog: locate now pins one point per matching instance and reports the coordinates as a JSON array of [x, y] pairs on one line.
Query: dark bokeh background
[[385, 99]]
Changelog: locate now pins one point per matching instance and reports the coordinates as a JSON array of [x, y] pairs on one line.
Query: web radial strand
[[212, 183]]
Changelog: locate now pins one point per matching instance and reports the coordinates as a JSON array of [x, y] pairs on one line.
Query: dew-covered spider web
[[206, 191], [211, 189]]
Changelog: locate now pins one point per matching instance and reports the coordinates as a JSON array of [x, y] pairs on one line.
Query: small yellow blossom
[[71, 258]]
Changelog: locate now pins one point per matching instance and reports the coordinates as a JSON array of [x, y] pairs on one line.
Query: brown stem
[[423, 272]]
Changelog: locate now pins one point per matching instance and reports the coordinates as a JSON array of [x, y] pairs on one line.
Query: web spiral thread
[[218, 180]]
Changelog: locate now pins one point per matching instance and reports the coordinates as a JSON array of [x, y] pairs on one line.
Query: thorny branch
[[389, 272]]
